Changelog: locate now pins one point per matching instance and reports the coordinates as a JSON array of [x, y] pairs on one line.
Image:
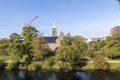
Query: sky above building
[[88, 18]]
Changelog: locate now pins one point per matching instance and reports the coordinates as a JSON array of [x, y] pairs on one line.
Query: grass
[[114, 66]]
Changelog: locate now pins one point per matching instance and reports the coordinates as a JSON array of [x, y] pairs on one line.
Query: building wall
[[52, 46]]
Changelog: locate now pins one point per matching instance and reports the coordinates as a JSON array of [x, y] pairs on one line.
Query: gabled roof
[[51, 39]]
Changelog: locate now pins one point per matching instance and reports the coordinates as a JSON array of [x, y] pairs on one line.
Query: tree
[[28, 34], [14, 47], [79, 44], [94, 46], [99, 61], [115, 30], [68, 54], [67, 40], [112, 48], [4, 46], [39, 48]]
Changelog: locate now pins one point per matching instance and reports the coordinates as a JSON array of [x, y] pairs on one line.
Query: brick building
[[54, 40]]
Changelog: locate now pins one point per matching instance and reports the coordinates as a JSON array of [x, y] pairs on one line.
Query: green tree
[[99, 61], [78, 44], [112, 48], [14, 51], [94, 46], [28, 34], [14, 47], [67, 40], [4, 46], [69, 53], [39, 48]]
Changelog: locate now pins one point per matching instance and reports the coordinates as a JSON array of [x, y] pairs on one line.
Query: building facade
[[54, 41]]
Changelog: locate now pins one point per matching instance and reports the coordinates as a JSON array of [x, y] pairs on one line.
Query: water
[[78, 75]]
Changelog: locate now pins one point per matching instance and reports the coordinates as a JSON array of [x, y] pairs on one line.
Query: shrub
[[66, 66], [100, 63], [12, 66], [34, 66], [113, 53], [47, 64], [57, 66]]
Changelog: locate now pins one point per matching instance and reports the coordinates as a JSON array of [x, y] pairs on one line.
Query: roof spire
[[54, 25]]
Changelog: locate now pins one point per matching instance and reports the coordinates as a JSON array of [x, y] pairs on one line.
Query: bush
[[113, 53], [47, 64], [57, 66], [100, 63], [34, 66], [64, 66], [12, 66]]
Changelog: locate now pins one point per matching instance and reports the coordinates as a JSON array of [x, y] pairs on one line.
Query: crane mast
[[31, 21]]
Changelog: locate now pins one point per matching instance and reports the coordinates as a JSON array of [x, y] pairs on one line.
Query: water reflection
[[83, 75], [25, 75]]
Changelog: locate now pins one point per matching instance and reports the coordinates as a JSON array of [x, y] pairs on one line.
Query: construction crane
[[31, 21]]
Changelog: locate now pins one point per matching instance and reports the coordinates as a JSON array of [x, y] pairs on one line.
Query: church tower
[[54, 29]]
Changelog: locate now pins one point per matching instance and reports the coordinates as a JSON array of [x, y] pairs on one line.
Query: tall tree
[[14, 46], [112, 48], [70, 51], [39, 48], [4, 46], [28, 34]]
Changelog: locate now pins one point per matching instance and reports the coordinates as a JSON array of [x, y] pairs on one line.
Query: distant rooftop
[[51, 39]]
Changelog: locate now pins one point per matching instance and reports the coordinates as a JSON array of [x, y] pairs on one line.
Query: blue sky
[[88, 18]]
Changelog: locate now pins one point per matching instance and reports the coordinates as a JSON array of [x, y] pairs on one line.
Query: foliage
[[39, 48], [12, 66], [48, 63], [14, 47], [34, 66], [69, 53], [100, 63], [113, 53], [112, 48], [4, 58], [4, 46], [96, 45], [67, 40], [28, 34], [25, 60], [89, 52], [79, 44], [30, 51], [115, 30], [24, 63]]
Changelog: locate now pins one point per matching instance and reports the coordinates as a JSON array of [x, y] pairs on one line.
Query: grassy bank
[[112, 66], [39, 66]]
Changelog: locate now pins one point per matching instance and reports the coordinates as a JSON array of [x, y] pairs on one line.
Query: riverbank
[[84, 65], [113, 65]]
